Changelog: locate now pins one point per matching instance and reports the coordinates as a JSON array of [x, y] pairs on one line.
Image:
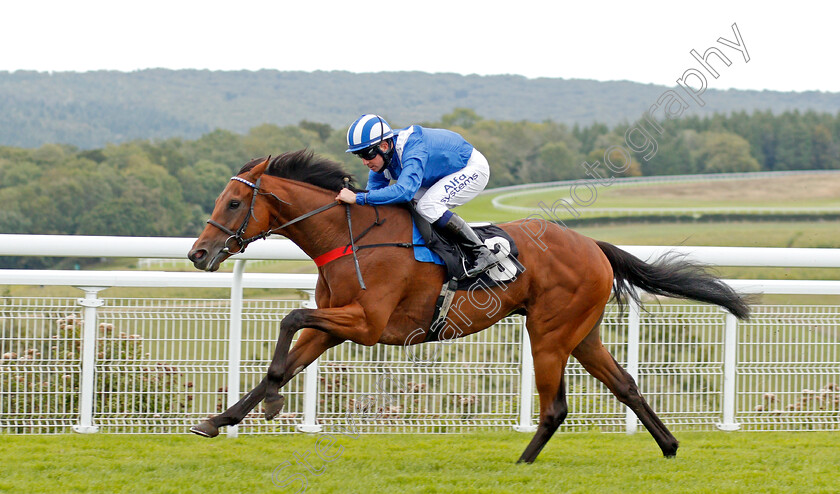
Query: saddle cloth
[[435, 248]]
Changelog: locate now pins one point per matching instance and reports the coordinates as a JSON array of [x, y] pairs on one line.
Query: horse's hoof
[[273, 406], [205, 429], [670, 451]]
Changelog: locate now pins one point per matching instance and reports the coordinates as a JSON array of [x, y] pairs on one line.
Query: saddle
[[453, 257]]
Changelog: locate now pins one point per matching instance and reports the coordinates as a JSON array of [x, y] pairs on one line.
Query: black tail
[[670, 276]]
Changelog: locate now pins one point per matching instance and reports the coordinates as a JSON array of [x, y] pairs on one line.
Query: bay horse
[[566, 284]]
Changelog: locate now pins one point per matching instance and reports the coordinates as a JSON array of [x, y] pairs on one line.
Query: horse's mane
[[305, 166]]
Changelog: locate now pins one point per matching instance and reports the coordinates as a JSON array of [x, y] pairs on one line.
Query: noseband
[[238, 235]]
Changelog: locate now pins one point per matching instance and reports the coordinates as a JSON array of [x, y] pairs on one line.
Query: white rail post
[[88, 384], [235, 340], [310, 384], [634, 323], [526, 384], [730, 363]]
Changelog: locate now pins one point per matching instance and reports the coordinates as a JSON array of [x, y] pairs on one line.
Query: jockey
[[436, 167]]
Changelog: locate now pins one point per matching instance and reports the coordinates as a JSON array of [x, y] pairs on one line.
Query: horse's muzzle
[[201, 259], [198, 257]]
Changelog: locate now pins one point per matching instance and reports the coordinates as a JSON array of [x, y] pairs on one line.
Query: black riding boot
[[458, 229]]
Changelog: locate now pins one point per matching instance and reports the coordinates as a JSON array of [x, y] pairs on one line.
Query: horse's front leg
[[349, 322], [309, 347]]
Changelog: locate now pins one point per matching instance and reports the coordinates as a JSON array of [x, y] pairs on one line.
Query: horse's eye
[[233, 204]]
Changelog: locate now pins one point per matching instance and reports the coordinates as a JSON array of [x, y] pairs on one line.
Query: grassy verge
[[735, 234], [472, 463], [787, 191]]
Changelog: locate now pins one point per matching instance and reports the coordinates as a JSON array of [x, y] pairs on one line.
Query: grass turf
[[786, 191], [780, 192], [713, 462]]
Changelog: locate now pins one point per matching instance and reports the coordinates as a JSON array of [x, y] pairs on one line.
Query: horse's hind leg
[[601, 364], [551, 416], [549, 365], [551, 344]]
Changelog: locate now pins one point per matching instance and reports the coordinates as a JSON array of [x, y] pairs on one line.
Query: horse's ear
[[258, 170]]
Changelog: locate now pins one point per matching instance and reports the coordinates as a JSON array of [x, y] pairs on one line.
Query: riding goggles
[[368, 153]]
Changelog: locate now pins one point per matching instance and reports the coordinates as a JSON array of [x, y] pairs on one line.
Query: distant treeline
[[167, 187], [92, 109]]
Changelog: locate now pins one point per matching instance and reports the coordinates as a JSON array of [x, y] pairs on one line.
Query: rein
[[238, 234], [352, 240], [243, 242]]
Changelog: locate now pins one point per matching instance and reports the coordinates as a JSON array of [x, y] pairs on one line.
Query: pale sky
[[791, 45]]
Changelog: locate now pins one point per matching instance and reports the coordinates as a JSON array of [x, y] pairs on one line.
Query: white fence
[[160, 365]]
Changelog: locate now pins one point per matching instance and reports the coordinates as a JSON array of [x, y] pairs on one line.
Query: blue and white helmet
[[366, 131]]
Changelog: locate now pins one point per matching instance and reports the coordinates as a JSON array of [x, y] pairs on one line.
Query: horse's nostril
[[197, 255]]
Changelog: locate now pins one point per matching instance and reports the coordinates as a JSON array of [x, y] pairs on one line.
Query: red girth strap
[[333, 255]]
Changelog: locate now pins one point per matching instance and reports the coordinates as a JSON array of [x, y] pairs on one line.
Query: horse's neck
[[321, 232]]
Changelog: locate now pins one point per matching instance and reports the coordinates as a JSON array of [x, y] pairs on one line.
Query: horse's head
[[245, 213], [239, 217]]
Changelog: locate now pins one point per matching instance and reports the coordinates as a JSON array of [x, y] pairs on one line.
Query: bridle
[[238, 235], [243, 242]]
